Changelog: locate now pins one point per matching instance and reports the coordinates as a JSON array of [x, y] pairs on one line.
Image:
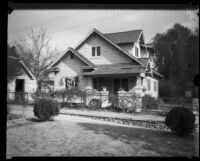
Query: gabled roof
[[144, 61], [124, 37], [11, 53], [111, 71], [27, 71], [108, 40], [85, 60], [119, 66]]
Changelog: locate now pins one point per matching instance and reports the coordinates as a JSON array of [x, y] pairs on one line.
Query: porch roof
[[115, 71]]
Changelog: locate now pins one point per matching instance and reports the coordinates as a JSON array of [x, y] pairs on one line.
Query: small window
[[155, 86], [95, 84], [148, 84], [125, 84], [98, 51], [71, 56], [93, 51], [136, 51]]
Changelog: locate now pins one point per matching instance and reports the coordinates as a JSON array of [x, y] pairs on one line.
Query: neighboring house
[[112, 60], [25, 82]]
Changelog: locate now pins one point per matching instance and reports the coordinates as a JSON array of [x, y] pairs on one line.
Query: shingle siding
[[127, 46], [109, 54]]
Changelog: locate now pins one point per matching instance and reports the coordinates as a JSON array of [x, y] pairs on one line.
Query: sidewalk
[[108, 114]]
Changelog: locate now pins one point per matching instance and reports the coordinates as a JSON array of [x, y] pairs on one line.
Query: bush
[[95, 104], [149, 102], [181, 121], [45, 108]]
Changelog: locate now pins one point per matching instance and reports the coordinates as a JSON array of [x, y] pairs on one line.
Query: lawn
[[76, 136]]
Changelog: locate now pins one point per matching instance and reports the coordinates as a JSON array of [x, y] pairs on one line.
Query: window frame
[[136, 52], [155, 86], [94, 50], [148, 84]]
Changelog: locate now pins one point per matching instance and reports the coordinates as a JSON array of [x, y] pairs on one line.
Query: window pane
[[95, 84], [155, 85], [136, 52], [98, 51], [93, 51], [125, 84], [148, 84]]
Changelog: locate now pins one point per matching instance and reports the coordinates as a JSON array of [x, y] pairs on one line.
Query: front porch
[[115, 83]]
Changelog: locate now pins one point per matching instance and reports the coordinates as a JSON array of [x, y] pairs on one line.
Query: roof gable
[[77, 54], [109, 41], [27, 71]]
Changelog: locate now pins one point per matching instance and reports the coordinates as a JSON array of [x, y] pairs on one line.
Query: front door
[[116, 85], [19, 89]]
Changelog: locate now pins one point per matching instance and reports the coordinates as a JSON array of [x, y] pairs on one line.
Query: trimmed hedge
[[181, 121], [149, 102], [45, 108]]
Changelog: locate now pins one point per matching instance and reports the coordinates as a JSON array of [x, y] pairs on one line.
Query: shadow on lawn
[[34, 119], [163, 143]]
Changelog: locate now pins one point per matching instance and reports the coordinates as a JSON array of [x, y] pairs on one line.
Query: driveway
[[76, 136]]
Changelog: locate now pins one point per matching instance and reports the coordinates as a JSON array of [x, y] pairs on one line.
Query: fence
[[84, 98]]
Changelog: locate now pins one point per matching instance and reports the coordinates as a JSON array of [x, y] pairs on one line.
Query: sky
[[66, 28]]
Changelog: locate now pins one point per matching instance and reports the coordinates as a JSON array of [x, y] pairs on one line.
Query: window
[[71, 56], [96, 51], [148, 84], [155, 86], [125, 84], [95, 84], [136, 51], [93, 51]]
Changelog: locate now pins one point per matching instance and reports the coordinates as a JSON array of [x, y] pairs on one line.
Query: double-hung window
[[155, 86], [148, 84], [96, 51]]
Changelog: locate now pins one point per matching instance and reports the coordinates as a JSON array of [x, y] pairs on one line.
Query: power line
[[52, 20], [65, 29]]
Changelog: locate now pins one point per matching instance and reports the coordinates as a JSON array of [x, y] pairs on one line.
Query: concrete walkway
[[109, 114], [86, 112]]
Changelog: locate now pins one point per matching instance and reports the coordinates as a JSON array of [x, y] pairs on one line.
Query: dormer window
[[136, 51], [96, 51]]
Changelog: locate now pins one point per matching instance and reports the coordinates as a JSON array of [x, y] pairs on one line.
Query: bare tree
[[36, 52]]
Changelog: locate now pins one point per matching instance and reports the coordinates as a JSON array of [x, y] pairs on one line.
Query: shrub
[[45, 108], [149, 102], [95, 104], [180, 120]]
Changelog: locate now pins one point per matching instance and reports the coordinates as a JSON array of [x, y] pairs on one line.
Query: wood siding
[[69, 68], [109, 53]]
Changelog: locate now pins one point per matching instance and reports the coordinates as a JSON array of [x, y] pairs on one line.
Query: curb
[[148, 124]]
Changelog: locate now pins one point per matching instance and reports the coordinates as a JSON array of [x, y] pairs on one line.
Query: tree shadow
[[34, 119], [163, 143]]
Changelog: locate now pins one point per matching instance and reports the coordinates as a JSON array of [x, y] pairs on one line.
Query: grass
[[163, 143], [75, 136], [12, 116]]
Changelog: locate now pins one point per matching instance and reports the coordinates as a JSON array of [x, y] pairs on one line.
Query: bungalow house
[[24, 82], [115, 61]]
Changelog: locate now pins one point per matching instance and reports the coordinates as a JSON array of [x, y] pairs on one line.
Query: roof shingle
[[124, 37]]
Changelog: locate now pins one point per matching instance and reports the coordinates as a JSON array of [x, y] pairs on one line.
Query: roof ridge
[[122, 31]]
